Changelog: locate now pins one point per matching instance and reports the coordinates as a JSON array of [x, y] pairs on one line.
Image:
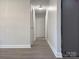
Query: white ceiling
[[40, 2]]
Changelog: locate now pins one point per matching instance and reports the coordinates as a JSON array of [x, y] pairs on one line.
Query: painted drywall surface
[[59, 27], [40, 24], [54, 28], [14, 22]]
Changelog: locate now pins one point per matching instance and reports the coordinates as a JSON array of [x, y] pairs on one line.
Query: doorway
[[39, 24]]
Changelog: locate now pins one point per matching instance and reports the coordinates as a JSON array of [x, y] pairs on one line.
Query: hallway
[[40, 50]]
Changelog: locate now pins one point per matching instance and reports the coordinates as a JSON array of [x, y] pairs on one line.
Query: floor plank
[[40, 50]]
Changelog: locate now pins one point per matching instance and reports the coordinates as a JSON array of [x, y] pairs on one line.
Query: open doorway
[[39, 24]]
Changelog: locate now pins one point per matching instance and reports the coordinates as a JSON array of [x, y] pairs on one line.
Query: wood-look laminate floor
[[40, 50]]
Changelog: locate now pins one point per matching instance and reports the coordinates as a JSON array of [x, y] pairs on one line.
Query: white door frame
[[46, 25], [34, 22]]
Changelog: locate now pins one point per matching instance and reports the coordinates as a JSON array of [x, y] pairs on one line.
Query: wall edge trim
[[15, 46]]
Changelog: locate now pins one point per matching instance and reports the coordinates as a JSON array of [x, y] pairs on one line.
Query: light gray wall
[[59, 26], [54, 28], [40, 23], [14, 22]]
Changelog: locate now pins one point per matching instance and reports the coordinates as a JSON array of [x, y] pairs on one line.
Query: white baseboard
[[57, 54], [15, 46]]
